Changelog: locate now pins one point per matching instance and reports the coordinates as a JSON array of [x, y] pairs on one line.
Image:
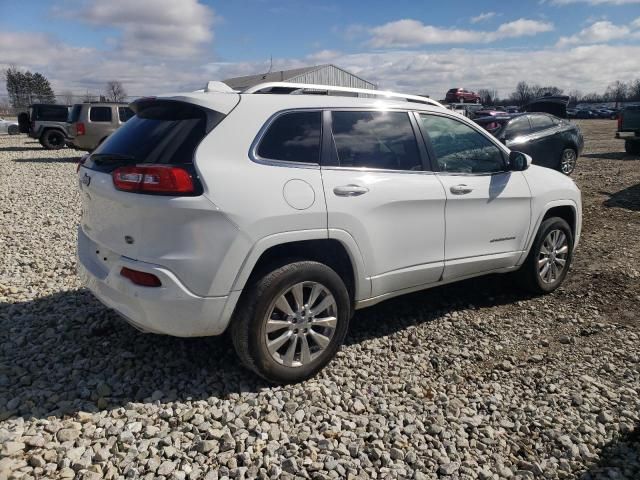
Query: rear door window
[[540, 122], [125, 113], [100, 114], [293, 137], [51, 113], [383, 140], [164, 132], [518, 126]]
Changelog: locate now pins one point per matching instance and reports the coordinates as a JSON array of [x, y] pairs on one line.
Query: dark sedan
[[551, 141]]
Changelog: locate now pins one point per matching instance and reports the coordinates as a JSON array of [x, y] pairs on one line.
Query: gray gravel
[[462, 382]]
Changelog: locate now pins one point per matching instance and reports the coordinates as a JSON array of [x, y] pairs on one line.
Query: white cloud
[[601, 32], [156, 27], [483, 17], [411, 33], [593, 2]]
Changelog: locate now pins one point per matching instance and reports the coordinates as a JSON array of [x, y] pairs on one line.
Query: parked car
[[47, 123], [583, 114], [512, 109], [9, 127], [461, 95], [629, 128], [275, 216], [90, 123], [551, 141]]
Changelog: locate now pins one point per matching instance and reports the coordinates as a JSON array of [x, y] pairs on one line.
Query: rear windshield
[[162, 133], [74, 114], [50, 113]]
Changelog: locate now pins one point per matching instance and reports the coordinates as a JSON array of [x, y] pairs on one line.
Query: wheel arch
[[335, 250], [565, 209]]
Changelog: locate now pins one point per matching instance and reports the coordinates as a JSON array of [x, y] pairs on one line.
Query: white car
[[278, 211], [9, 127]]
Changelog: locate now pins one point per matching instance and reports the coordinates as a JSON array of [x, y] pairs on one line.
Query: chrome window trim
[[377, 170], [253, 150]]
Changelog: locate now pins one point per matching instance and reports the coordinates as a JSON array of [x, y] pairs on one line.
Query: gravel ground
[[473, 380]]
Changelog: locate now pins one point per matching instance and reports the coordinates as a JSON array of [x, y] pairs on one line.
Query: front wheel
[[13, 130], [632, 147], [568, 161], [291, 322], [549, 259]]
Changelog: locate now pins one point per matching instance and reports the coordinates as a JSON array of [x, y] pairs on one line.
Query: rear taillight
[[620, 121], [160, 179], [141, 278], [80, 130]]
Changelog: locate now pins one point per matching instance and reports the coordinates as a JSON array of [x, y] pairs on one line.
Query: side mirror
[[519, 161]]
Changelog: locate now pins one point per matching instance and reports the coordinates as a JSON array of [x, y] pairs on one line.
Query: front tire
[[13, 130], [52, 140], [549, 259], [291, 322]]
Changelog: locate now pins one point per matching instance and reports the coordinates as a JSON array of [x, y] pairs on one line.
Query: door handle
[[461, 189], [350, 190]]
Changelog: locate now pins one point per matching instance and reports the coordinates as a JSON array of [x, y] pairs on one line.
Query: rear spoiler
[[553, 104]]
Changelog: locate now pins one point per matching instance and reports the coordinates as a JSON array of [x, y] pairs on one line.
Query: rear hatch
[[162, 218], [629, 119], [555, 105]]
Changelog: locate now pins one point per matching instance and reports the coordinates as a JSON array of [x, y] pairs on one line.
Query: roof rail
[[288, 87]]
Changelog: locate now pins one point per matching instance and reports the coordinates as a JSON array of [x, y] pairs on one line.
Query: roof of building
[[241, 83]]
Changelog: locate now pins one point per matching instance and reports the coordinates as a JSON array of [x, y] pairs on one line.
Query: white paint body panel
[[406, 233]]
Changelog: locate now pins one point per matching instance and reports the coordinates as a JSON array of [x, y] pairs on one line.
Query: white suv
[[276, 212]]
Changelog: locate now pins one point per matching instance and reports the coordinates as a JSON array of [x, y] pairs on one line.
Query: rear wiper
[[107, 158]]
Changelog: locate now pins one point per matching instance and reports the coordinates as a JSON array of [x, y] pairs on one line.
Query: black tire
[[13, 130], [528, 275], [632, 147], [248, 326], [52, 140]]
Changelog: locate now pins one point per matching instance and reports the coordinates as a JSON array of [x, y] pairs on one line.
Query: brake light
[[161, 179], [141, 278], [620, 121], [80, 130]]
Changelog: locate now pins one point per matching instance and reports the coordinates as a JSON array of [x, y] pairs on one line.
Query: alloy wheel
[[552, 258], [300, 324]]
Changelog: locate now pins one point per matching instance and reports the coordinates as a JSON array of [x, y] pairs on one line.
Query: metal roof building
[[319, 74]]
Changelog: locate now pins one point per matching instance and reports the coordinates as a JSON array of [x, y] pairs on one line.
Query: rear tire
[[52, 140], [568, 160], [632, 147], [549, 259], [13, 130], [288, 347]]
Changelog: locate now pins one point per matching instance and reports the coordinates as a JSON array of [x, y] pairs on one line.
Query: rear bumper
[[170, 309], [626, 135]]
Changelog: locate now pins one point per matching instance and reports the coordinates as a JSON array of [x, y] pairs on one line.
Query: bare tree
[[522, 94], [488, 96], [66, 97], [115, 92], [617, 92], [634, 90], [575, 96]]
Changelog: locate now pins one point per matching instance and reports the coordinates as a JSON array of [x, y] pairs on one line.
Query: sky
[[412, 46]]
